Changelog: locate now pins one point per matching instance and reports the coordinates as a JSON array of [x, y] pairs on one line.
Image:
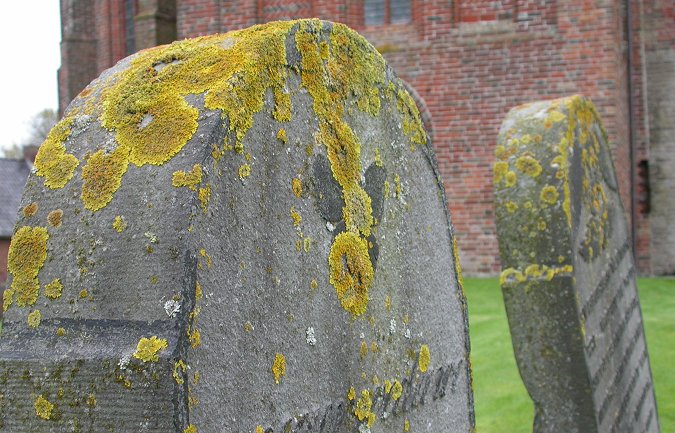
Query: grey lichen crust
[[221, 232], [568, 278]]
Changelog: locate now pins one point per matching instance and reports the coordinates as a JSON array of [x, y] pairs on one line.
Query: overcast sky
[[30, 32]]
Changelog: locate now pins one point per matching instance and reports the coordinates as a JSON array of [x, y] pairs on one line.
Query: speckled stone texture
[[197, 290], [568, 276]]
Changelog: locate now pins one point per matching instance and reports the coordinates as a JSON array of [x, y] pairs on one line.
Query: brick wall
[[472, 61]]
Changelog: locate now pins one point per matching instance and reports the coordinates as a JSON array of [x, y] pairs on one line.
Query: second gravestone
[[243, 232], [568, 276]]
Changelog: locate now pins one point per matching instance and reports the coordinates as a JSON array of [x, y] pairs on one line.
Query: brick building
[[468, 62]]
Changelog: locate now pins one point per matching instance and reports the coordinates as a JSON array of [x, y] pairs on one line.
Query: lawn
[[501, 402]]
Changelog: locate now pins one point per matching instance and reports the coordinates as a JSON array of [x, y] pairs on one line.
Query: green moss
[[148, 348], [351, 272], [52, 162], [27, 254]]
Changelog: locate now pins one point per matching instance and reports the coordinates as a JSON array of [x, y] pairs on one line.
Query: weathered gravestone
[[568, 276], [244, 232]]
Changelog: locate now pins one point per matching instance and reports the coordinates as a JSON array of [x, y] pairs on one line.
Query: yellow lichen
[[363, 406], [297, 187], [351, 272], [34, 319], [27, 254], [528, 165], [396, 390], [84, 293], [30, 209], [54, 218], [296, 217], [43, 408], [397, 182], [7, 298], [510, 178], [278, 367], [147, 349], [412, 125], [189, 179], [102, 177], [190, 429], [549, 194], [119, 224], [363, 351], [91, 400], [406, 426], [554, 117], [458, 266], [313, 284], [52, 162], [510, 275], [351, 394], [179, 369], [499, 170], [53, 290], [259, 429], [281, 135], [204, 195], [387, 386], [511, 207], [60, 332], [244, 171], [377, 158], [424, 358], [358, 211], [195, 338]]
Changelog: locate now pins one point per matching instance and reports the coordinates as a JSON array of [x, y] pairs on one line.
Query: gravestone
[[568, 276], [242, 232]]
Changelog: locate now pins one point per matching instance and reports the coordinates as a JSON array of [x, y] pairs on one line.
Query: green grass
[[501, 402]]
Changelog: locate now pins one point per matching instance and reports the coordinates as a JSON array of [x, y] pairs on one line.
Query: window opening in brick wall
[[129, 14], [378, 12]]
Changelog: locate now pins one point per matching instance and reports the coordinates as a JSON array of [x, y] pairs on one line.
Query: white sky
[[30, 32]]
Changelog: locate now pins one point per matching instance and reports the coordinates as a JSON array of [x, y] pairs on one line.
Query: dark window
[[378, 12], [129, 14], [400, 11]]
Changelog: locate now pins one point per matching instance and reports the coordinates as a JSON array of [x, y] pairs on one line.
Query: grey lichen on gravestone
[[243, 232], [568, 276]]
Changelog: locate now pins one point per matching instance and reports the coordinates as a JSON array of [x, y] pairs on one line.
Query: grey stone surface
[[660, 87], [205, 299], [568, 276]]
